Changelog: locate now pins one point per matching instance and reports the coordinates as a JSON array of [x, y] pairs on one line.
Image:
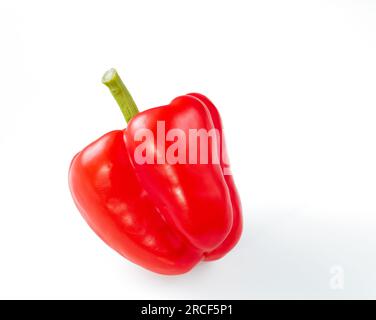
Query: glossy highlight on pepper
[[164, 217]]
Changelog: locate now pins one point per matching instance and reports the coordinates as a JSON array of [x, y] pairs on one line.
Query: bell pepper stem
[[121, 94]]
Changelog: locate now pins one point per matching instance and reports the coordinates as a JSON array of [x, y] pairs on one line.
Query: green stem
[[121, 94]]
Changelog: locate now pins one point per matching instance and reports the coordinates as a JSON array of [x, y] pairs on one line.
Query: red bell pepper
[[164, 217]]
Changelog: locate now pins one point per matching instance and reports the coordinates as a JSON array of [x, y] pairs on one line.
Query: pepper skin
[[164, 217]]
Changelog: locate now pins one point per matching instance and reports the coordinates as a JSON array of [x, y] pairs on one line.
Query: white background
[[295, 82]]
